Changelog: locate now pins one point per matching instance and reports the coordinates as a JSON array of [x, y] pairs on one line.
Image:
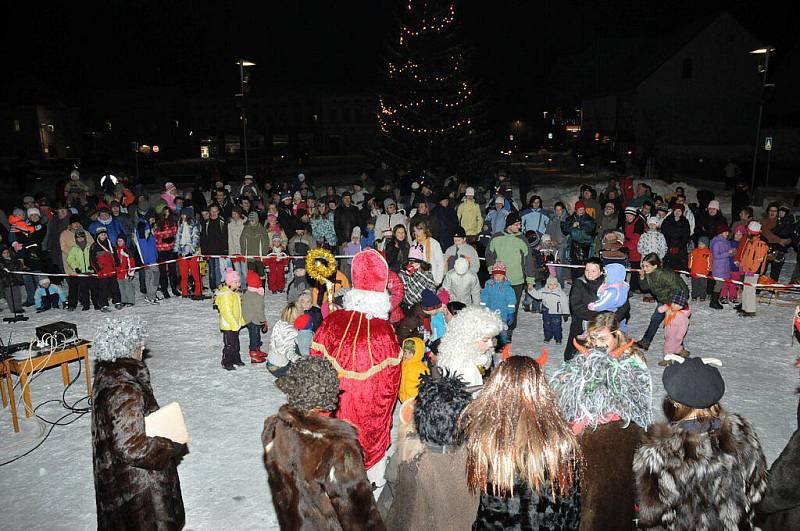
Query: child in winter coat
[[304, 325], [104, 263], [126, 273], [48, 296], [276, 261], [416, 277], [299, 282], [721, 254], [413, 367], [498, 296], [462, 284], [730, 291], [652, 241], [700, 264], [613, 293], [253, 314], [282, 352], [435, 312], [555, 307], [229, 305], [676, 324], [187, 243]]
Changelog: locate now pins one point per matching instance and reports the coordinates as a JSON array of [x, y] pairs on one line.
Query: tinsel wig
[[438, 405], [458, 346], [594, 386], [311, 383], [118, 337], [514, 431]]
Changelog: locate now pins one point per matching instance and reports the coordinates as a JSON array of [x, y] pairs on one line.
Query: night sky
[[82, 49]]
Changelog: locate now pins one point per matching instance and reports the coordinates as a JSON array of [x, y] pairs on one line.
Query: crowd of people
[[420, 307]]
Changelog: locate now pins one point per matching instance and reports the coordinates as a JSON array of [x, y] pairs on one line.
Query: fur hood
[[708, 480], [371, 303]]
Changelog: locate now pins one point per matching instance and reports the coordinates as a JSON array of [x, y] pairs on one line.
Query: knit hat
[[722, 227], [740, 229], [44, 282], [252, 216], [253, 280], [680, 207], [499, 200], [713, 204], [459, 232], [416, 253], [303, 322], [298, 196], [27, 199], [310, 383], [754, 227], [632, 211], [579, 204], [703, 239], [80, 233], [662, 208], [285, 195], [33, 210], [429, 300], [461, 265], [499, 267], [119, 337], [546, 238], [248, 176], [512, 219], [301, 177], [100, 230], [232, 277], [652, 220], [694, 383], [74, 218], [444, 296], [469, 192], [169, 186], [388, 201], [356, 232]]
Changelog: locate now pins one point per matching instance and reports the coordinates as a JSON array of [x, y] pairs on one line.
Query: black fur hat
[[311, 383], [438, 405]]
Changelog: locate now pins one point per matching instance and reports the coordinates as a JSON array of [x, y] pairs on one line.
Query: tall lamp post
[[243, 79], [763, 70]]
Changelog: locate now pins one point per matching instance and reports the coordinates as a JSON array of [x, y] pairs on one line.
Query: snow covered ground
[[223, 480]]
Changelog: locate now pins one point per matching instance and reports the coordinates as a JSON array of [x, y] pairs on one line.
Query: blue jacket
[[188, 247], [613, 293], [114, 228], [145, 243], [534, 219], [500, 297], [52, 288], [496, 219]]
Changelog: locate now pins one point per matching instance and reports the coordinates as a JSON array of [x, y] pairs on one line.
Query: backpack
[[753, 256]]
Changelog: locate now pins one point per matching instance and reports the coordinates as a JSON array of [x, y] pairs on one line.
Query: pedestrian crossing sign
[[768, 143]]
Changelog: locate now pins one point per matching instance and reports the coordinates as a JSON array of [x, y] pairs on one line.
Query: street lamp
[[243, 80], [763, 70]]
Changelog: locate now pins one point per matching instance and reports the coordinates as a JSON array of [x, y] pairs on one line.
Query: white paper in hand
[[168, 422]]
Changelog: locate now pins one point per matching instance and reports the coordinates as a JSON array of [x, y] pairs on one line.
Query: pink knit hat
[[232, 277]]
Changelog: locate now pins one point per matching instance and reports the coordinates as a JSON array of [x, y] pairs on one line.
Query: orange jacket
[[754, 255], [700, 261]]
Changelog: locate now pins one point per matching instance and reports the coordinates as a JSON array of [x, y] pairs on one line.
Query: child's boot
[[257, 357]]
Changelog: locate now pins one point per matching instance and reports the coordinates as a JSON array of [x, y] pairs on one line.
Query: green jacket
[[512, 250], [78, 259], [664, 283], [255, 240]]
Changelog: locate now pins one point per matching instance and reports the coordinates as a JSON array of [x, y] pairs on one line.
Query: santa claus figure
[[361, 345]]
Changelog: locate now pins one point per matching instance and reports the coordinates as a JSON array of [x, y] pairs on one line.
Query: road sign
[[768, 143]]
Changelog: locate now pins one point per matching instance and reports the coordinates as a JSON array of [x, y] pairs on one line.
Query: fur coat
[[316, 473], [700, 480], [135, 476], [780, 508], [527, 510]]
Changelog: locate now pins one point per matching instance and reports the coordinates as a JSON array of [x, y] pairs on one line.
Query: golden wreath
[[320, 264]]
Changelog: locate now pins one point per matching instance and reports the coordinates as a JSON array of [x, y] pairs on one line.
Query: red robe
[[367, 356], [276, 276]]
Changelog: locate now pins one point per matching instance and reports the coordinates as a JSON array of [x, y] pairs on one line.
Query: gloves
[[566, 317], [264, 327], [179, 450]]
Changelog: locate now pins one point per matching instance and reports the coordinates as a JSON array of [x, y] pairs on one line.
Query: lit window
[[17, 127]]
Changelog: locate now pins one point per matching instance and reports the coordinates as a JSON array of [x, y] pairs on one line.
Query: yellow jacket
[[230, 309], [411, 371], [469, 216]]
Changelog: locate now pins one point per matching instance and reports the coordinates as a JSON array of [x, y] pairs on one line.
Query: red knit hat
[[579, 204], [499, 268], [303, 322], [253, 280]]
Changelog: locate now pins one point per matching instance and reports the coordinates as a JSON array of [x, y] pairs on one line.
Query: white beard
[[372, 303]]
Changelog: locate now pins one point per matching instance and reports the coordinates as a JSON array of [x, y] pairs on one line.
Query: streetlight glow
[[769, 49], [245, 62]]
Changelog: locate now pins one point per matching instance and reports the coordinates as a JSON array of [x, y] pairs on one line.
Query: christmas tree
[[429, 115]]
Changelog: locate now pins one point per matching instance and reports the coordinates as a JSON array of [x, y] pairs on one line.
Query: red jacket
[[125, 262], [103, 260], [633, 231], [165, 238], [396, 293]]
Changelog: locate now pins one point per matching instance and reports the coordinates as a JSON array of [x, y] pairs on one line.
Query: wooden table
[[25, 367]]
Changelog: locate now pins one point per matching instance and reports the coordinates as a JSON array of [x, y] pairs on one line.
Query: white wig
[[463, 331], [118, 337]]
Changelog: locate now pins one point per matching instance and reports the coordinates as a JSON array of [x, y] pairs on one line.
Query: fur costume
[[316, 473], [700, 480], [135, 476], [457, 350], [780, 507], [361, 345]]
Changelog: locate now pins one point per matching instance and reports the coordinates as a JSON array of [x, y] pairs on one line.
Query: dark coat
[[706, 224], [677, 234], [700, 480], [135, 476], [780, 507], [316, 473], [446, 224], [344, 219], [397, 254], [608, 493], [583, 292], [527, 510], [214, 236]]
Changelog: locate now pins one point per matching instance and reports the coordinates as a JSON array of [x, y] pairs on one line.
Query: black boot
[[715, 302]]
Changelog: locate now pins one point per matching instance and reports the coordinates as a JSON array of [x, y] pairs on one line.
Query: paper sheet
[[167, 422]]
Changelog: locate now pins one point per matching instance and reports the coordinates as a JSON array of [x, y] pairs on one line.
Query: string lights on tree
[[429, 111]]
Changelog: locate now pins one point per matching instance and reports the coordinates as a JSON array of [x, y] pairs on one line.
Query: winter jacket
[[50, 290], [467, 251], [229, 306], [463, 287], [33, 252], [414, 284], [281, 349], [254, 240], [253, 307], [469, 216], [664, 284], [411, 370], [676, 233], [294, 249], [344, 219], [103, 259], [511, 249], [676, 324], [582, 234], [235, 228], [527, 510], [79, 260], [385, 224], [214, 236], [651, 241], [499, 297], [680, 464], [316, 473], [187, 239], [753, 255], [125, 263], [135, 476], [613, 293], [113, 226], [707, 224], [605, 223], [396, 255], [323, 230], [67, 242], [432, 252], [52, 241], [165, 236], [396, 293], [582, 293], [446, 224], [700, 261], [780, 506], [534, 219], [145, 243], [496, 219], [553, 298], [633, 235]]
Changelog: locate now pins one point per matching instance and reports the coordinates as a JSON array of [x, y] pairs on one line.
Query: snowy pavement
[[223, 480]]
